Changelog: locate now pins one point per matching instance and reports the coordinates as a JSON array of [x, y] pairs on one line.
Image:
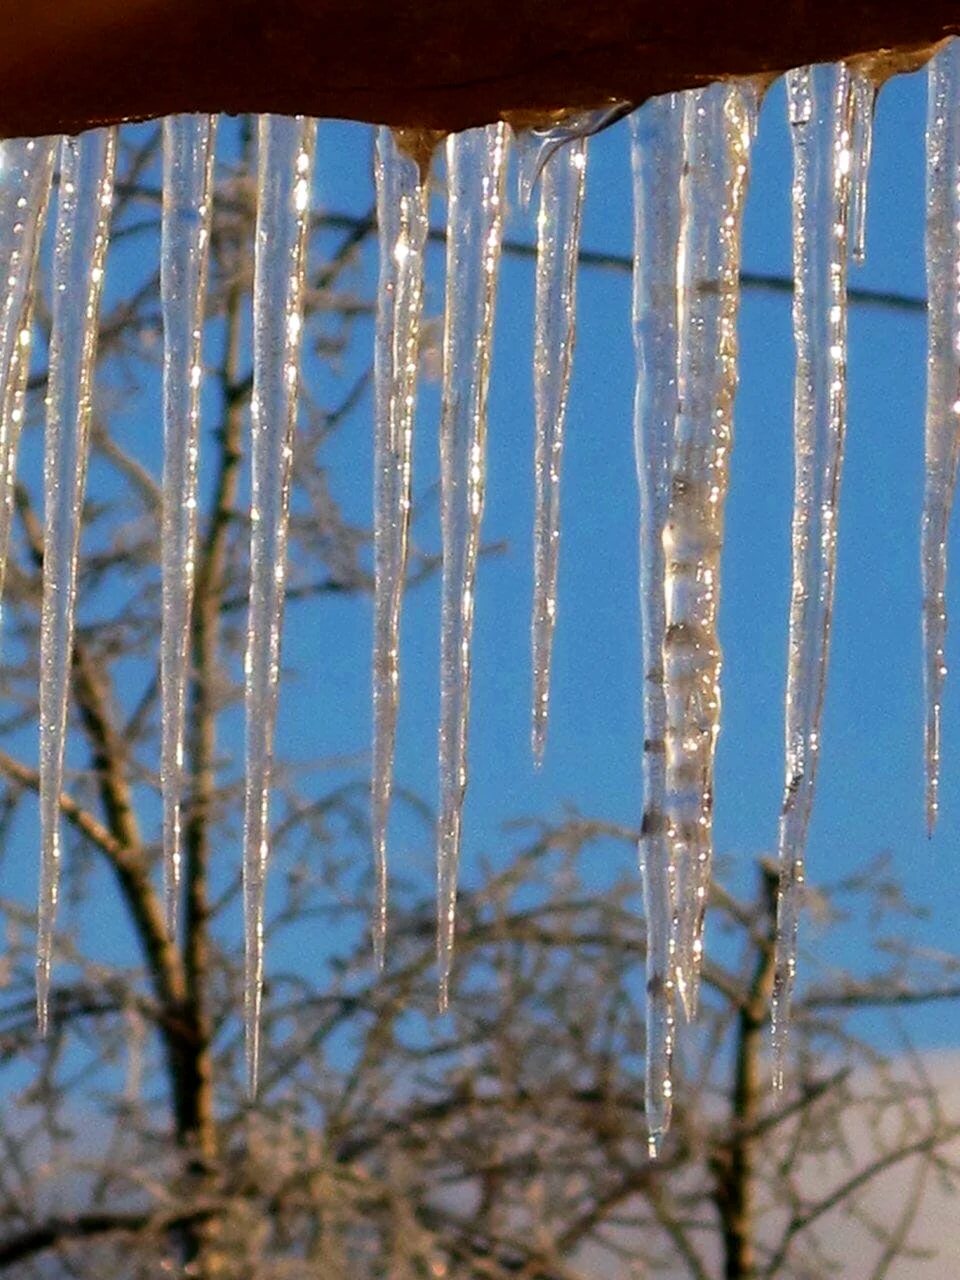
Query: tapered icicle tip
[[284, 182], [252, 1035], [445, 940], [476, 172], [43, 994], [558, 247], [821, 114], [80, 247], [402, 222], [448, 866], [779, 1034], [932, 805], [380, 909], [188, 152]]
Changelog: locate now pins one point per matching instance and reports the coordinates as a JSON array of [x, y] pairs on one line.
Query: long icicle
[[188, 148], [476, 170], [83, 227], [864, 105], [403, 223], [657, 156], [942, 446], [558, 247], [26, 174], [821, 117], [717, 135], [285, 168]]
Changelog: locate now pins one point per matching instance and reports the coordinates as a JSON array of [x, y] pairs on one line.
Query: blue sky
[[870, 790]]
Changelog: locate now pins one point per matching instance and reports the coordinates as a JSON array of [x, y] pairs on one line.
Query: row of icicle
[[691, 157]]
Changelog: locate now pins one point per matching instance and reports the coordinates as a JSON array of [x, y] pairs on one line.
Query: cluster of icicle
[[691, 158]]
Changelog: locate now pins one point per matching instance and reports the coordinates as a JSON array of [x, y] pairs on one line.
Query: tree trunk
[[734, 1162]]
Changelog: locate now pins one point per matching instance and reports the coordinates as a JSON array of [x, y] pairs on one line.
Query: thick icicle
[[83, 227], [864, 104], [403, 224], [943, 388], [717, 136], [558, 245], [657, 155], [285, 162], [187, 207], [476, 169], [821, 117], [26, 173]]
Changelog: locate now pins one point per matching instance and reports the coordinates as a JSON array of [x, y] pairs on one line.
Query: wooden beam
[[440, 64]]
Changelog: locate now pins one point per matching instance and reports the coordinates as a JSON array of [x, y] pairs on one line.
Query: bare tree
[[506, 1139]]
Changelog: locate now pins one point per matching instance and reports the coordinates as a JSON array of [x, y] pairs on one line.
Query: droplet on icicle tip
[[284, 180], [402, 226], [476, 172], [80, 248]]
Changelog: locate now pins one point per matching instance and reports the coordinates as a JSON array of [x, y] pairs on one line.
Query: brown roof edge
[[66, 65]]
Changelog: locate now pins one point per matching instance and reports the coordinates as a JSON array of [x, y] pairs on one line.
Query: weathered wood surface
[[442, 64]]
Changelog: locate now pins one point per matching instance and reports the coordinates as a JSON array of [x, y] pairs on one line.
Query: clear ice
[[188, 145], [285, 170], [82, 234], [476, 171], [657, 158], [864, 105], [718, 125], [537, 147], [26, 174], [558, 246], [821, 107], [942, 443], [402, 223], [690, 167]]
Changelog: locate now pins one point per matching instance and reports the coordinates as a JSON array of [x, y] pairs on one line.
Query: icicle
[[187, 206], [717, 136], [83, 226], [558, 245], [403, 223], [26, 172], [943, 387], [285, 162], [821, 116], [864, 105], [538, 146], [657, 155], [476, 168]]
